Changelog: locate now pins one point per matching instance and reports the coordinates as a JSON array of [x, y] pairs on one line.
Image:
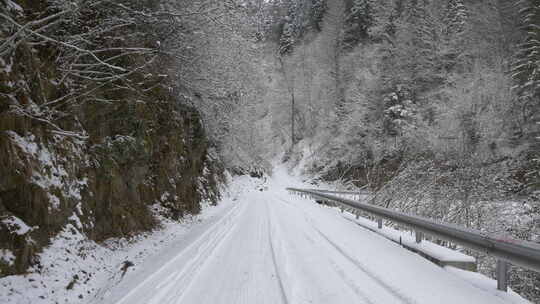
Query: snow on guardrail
[[521, 253]]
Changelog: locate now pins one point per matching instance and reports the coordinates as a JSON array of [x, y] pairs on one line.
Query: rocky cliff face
[[128, 160]]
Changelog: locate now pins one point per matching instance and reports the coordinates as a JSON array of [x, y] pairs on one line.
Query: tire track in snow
[[190, 272], [341, 272], [397, 294], [375, 278], [274, 259], [349, 281], [205, 243], [338, 270]]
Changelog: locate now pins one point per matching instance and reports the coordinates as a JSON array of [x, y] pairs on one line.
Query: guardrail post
[[379, 223], [341, 208], [419, 236], [357, 213], [502, 275]]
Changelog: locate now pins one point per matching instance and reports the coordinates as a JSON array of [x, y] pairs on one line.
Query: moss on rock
[[145, 149]]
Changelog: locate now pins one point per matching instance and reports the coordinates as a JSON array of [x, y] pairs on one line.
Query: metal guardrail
[[340, 192], [521, 253]]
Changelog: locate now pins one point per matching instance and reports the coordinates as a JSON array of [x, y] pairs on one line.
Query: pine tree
[[527, 69], [359, 21], [291, 29], [385, 20], [287, 38], [302, 15], [317, 10], [417, 41], [454, 26], [526, 72], [455, 18]]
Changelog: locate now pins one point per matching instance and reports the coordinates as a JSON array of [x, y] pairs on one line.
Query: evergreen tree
[[455, 18], [385, 18], [454, 27], [526, 73], [291, 29], [527, 69], [359, 21], [417, 44], [318, 8], [301, 16]]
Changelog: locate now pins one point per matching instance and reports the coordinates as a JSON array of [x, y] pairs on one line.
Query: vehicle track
[[396, 293], [274, 259], [208, 242], [189, 273], [375, 278], [341, 272]]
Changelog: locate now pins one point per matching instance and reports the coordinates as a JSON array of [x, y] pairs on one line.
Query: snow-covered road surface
[[270, 247]]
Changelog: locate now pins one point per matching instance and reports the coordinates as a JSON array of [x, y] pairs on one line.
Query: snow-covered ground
[[406, 238], [256, 247]]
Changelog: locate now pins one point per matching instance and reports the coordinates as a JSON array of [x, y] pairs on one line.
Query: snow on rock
[[76, 220], [27, 144], [75, 269], [54, 200], [7, 257], [16, 225], [50, 168]]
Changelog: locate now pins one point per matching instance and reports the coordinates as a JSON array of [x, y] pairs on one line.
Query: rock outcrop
[[105, 168]]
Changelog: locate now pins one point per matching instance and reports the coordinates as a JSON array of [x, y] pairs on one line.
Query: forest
[[109, 107]]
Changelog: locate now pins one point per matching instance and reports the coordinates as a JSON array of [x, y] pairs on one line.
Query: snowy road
[[270, 247]]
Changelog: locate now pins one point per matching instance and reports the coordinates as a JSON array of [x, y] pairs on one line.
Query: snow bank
[[486, 284]]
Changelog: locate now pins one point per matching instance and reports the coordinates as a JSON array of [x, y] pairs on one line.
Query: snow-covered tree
[[454, 29], [527, 69], [302, 16], [99, 46], [400, 112], [417, 45], [358, 22], [456, 16], [292, 29], [526, 74], [318, 8]]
